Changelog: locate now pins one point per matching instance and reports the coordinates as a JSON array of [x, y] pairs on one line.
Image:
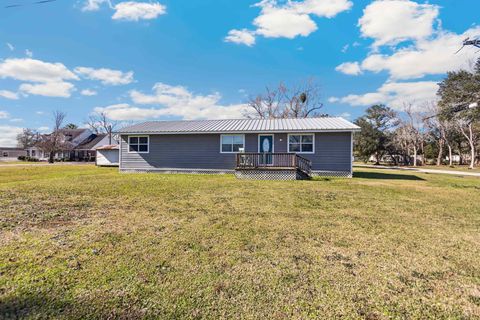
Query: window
[[33, 153], [232, 143], [5, 153], [300, 143], [138, 144]]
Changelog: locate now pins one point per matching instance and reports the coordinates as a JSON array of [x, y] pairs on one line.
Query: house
[[11, 154], [250, 148], [107, 156], [78, 145]]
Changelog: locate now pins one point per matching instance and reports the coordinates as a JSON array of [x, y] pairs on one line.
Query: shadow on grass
[[385, 176]]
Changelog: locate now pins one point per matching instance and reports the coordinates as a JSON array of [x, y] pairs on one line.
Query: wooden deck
[[272, 166]]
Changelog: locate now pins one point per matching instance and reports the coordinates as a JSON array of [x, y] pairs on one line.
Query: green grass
[[86, 242], [463, 168]]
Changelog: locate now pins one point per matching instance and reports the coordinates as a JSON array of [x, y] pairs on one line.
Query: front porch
[[272, 166]]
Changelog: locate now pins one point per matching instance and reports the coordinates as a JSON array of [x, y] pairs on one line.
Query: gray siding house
[[255, 147]]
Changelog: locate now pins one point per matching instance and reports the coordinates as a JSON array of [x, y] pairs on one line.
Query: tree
[[441, 131], [71, 126], [99, 123], [412, 132], [375, 137], [28, 138], [55, 141], [300, 101], [457, 89]]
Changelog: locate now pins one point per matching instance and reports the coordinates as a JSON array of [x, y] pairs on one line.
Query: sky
[[191, 59]]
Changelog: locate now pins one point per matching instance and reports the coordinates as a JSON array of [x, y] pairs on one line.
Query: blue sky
[[187, 59]]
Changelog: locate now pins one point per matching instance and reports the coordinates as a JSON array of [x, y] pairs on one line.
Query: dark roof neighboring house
[[72, 133], [243, 126], [90, 142]]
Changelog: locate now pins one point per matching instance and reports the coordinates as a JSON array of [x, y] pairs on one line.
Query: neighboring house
[[11, 154], [107, 156], [252, 148], [81, 145]]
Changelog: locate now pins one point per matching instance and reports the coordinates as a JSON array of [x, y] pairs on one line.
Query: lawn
[[462, 168], [87, 242]]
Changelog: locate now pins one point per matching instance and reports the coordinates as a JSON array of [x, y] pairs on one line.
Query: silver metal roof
[[242, 126]]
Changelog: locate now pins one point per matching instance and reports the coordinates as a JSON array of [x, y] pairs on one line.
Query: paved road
[[456, 173]]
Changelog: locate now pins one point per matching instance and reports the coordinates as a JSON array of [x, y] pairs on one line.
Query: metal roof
[[242, 126]]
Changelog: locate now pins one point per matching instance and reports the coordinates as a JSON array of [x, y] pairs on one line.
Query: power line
[[27, 4]]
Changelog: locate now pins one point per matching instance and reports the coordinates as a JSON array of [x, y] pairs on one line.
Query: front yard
[[86, 242]]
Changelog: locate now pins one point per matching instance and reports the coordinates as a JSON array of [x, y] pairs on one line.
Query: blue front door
[[265, 146]]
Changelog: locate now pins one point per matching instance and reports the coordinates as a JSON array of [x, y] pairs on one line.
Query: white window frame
[[142, 136], [243, 142], [301, 134]]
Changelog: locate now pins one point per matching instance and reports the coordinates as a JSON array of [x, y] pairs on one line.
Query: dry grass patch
[[83, 242]]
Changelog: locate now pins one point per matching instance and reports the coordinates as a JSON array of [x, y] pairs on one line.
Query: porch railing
[[273, 160]]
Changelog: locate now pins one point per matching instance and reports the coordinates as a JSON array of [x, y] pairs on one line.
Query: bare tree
[[470, 132], [100, 123], [28, 138], [55, 141], [413, 131], [300, 101]]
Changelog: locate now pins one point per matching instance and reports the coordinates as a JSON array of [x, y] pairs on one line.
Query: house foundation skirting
[[253, 174], [245, 174], [177, 171], [326, 173]]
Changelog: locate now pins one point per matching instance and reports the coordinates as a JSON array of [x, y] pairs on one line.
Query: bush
[[21, 158]]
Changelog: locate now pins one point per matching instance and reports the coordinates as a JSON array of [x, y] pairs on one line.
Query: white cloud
[[48, 89], [134, 11], [35, 70], [345, 115], [44, 129], [8, 135], [29, 53], [4, 115], [16, 120], [173, 101], [243, 36], [290, 19], [10, 46], [40, 112], [395, 95], [277, 22], [9, 94], [106, 76], [425, 57], [392, 21], [88, 92], [350, 68], [94, 5]]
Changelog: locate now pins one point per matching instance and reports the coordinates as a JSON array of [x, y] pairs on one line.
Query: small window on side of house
[[5, 153], [138, 144]]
